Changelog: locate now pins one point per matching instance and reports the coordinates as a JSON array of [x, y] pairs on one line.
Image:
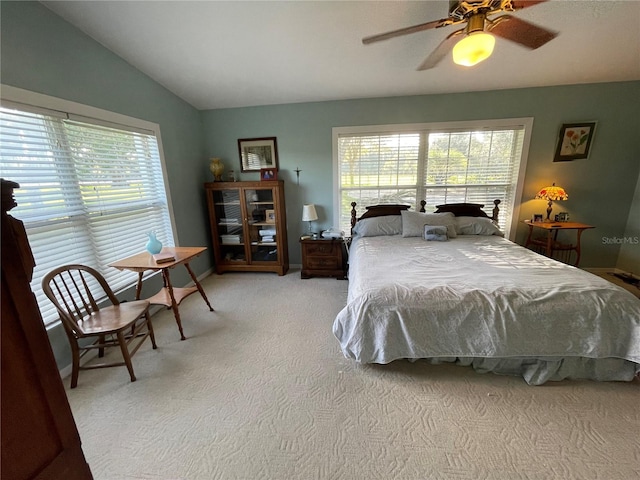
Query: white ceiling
[[218, 54]]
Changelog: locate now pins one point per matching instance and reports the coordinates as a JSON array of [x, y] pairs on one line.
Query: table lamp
[[550, 194], [309, 214]]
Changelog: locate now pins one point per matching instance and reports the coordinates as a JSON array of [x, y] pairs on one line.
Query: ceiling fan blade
[[519, 31], [519, 4], [406, 31], [441, 51]]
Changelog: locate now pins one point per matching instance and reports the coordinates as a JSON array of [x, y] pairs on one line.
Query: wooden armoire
[[39, 435]]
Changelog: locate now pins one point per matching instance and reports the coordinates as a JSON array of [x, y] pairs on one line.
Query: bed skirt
[[537, 371]]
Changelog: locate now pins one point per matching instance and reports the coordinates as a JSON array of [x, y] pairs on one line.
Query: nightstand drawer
[[321, 247], [324, 263]]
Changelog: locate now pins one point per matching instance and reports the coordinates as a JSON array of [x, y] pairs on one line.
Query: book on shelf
[[163, 258], [230, 239]]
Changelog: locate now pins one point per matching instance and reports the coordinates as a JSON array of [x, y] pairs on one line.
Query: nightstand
[[323, 258], [548, 244]]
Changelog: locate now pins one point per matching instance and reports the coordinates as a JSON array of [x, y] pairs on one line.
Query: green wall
[[43, 53], [629, 257], [601, 188]]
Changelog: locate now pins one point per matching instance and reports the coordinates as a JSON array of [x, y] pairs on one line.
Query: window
[[474, 162], [90, 191]]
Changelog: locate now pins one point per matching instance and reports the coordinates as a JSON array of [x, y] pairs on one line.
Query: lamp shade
[[473, 49], [552, 193], [309, 213]]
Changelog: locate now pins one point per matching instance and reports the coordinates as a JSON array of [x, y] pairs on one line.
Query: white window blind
[[89, 191], [451, 165]]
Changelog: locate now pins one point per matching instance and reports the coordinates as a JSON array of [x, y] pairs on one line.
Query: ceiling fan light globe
[[473, 49]]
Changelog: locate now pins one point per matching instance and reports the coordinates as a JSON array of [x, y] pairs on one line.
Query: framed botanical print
[[574, 141]]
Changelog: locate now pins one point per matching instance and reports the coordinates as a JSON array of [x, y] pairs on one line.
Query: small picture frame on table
[[537, 217], [268, 174]]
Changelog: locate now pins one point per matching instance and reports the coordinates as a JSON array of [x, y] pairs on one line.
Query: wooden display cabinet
[[248, 226]]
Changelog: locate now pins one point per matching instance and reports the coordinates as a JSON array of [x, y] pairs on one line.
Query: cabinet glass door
[[262, 225], [228, 212]]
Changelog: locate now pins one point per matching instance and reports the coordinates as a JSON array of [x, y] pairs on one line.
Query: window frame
[[13, 97], [439, 127]]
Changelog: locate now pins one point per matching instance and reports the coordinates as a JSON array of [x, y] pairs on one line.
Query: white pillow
[[378, 226], [413, 223], [476, 226], [437, 233]]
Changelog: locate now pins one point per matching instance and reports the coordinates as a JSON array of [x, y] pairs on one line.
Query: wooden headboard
[[458, 209]]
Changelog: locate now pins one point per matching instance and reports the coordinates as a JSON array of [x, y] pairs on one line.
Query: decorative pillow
[[477, 226], [378, 226], [437, 233], [413, 223]]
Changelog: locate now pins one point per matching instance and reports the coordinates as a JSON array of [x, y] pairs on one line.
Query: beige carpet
[[260, 390]]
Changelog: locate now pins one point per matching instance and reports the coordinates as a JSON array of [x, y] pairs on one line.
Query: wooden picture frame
[[270, 216], [268, 174], [574, 141], [258, 153]]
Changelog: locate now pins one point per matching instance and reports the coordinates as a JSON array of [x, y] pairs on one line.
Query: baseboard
[[618, 277], [599, 271]]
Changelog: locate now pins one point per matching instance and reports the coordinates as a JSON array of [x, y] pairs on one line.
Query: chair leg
[[125, 354], [101, 350], [75, 363], [150, 327]]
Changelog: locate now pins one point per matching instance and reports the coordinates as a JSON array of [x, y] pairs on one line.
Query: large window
[[451, 163], [90, 191]]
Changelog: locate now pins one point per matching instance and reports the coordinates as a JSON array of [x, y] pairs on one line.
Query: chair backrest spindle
[[72, 289]]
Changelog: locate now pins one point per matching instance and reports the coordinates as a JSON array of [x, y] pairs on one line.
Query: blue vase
[[153, 245]]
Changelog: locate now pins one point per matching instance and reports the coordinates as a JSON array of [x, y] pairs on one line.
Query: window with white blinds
[[89, 191], [457, 163]]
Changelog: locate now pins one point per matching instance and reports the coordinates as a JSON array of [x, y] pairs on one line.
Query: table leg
[[578, 248], [549, 250], [139, 286], [174, 304], [200, 289], [528, 242]]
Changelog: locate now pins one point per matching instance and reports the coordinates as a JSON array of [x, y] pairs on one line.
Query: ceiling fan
[[474, 43]]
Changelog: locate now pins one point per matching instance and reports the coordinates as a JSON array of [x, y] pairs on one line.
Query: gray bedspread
[[487, 302]]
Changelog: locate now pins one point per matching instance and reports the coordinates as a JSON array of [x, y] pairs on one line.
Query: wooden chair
[[76, 291]]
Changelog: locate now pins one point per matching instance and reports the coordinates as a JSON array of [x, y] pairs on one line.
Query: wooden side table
[[549, 244], [323, 258], [169, 296]]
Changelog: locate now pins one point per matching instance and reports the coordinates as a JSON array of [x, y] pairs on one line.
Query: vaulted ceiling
[[219, 54]]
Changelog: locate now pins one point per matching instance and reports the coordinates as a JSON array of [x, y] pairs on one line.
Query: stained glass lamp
[[551, 194]]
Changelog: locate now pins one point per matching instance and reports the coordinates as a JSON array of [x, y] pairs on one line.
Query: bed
[[477, 299]]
